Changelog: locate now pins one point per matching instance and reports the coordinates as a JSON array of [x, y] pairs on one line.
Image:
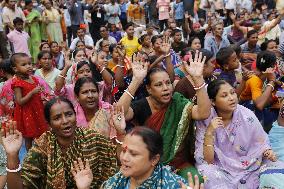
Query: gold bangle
[[208, 145]]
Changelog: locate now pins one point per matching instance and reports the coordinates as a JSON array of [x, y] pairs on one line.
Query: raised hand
[[139, 67], [118, 119], [191, 183], [166, 45], [11, 137], [195, 67], [68, 62], [94, 57], [83, 175]]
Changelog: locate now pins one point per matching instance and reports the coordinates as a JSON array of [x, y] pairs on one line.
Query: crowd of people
[[118, 94]]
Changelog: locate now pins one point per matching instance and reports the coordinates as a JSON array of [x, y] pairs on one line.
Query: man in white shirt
[[82, 36]]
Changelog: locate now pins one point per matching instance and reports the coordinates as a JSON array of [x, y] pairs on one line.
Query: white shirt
[[50, 77], [87, 39], [111, 40]]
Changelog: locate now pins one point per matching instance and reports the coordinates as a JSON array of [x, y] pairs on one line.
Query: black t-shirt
[[142, 111]]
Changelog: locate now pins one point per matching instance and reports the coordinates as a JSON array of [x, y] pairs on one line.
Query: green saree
[[177, 129], [34, 29]]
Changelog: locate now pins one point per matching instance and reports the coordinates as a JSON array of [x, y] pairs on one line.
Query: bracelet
[[60, 75], [271, 86], [117, 141], [102, 70], [121, 66], [208, 145], [167, 55], [129, 94], [200, 87], [14, 170]]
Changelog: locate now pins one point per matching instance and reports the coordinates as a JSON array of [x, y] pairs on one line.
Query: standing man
[[76, 11]]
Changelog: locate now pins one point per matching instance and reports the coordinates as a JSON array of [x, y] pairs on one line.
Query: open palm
[[12, 138], [118, 119], [139, 67], [195, 67], [83, 175]]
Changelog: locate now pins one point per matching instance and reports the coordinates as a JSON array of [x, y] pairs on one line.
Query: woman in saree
[[168, 113], [82, 68], [92, 114], [48, 163], [33, 27], [141, 166], [52, 19], [272, 175], [231, 144]]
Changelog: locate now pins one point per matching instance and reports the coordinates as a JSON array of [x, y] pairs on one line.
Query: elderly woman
[[169, 113], [231, 144], [48, 163]]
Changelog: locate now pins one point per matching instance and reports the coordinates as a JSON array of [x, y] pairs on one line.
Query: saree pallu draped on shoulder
[[173, 124], [46, 167]]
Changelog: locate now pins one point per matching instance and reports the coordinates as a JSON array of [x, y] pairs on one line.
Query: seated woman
[[258, 90], [90, 113], [84, 69], [169, 113], [141, 166], [48, 163], [272, 175], [231, 143]]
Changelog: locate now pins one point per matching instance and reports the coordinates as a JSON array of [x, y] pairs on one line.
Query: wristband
[[14, 170]]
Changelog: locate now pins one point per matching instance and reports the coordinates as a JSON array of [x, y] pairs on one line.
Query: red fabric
[[156, 120], [30, 116]]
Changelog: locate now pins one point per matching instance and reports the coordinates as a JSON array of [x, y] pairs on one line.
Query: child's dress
[[29, 117]]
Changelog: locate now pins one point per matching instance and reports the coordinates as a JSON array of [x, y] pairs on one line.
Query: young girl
[[28, 112]]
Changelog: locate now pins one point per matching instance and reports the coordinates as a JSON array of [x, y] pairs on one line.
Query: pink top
[[68, 92], [19, 41], [164, 9]]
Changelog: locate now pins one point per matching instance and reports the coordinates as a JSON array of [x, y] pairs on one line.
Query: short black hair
[[223, 55], [41, 53], [15, 56], [264, 60], [251, 32], [18, 20], [128, 25], [175, 31], [6, 67]]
